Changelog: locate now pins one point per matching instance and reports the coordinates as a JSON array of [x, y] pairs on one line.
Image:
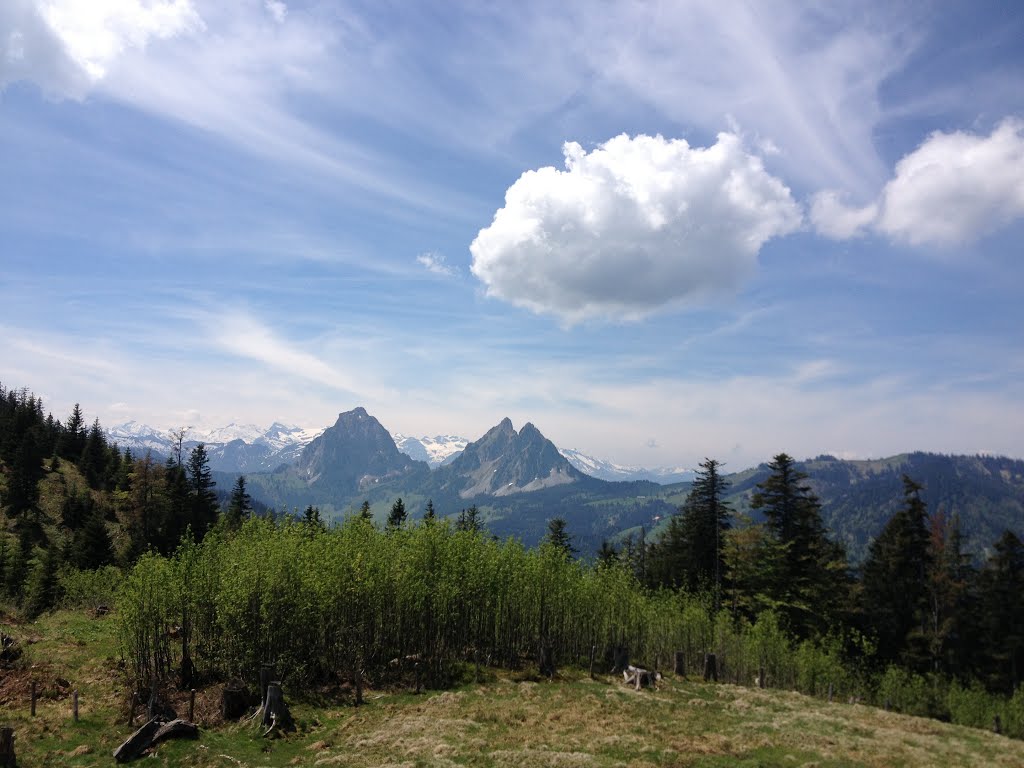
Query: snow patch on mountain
[[435, 450], [606, 470]]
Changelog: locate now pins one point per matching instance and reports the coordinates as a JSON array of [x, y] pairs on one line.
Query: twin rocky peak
[[358, 453]]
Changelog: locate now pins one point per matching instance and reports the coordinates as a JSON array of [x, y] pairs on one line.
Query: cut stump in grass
[[7, 757], [710, 668]]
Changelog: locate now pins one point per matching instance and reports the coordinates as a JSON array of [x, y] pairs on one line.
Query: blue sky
[[658, 231]]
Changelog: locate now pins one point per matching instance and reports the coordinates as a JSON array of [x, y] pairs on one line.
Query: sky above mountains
[[658, 231]]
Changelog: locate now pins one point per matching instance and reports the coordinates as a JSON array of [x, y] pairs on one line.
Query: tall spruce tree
[[203, 500], [558, 536], [1001, 586], [894, 585], [397, 515], [691, 552], [811, 583], [239, 505]]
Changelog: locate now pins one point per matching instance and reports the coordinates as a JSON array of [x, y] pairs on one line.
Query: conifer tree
[[429, 516], [364, 511], [203, 500], [894, 586], [396, 518], [1001, 585], [558, 537], [811, 584], [468, 520], [690, 553], [93, 461], [239, 506], [91, 546]]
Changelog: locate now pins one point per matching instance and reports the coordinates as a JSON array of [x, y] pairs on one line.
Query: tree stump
[[761, 682], [680, 664], [275, 711], [234, 700], [710, 667], [546, 662], [7, 757], [267, 676], [621, 659]]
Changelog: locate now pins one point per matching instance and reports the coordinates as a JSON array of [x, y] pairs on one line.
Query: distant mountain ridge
[[234, 448], [520, 480], [249, 448]]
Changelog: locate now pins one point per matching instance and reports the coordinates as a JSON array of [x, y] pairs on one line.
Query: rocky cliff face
[[353, 455], [504, 461]]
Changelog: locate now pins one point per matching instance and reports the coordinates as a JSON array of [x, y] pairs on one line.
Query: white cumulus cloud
[[953, 188], [956, 186], [636, 224], [66, 45]]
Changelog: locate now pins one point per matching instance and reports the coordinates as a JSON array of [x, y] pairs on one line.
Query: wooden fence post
[[192, 705], [593, 655], [680, 665], [33, 698], [74, 704]]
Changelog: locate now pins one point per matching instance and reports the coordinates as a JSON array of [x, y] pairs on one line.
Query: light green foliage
[[91, 589]]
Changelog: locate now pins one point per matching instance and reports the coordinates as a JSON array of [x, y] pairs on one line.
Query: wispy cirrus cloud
[[436, 263]]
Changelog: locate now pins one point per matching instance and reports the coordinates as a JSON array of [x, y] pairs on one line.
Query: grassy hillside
[[511, 720]]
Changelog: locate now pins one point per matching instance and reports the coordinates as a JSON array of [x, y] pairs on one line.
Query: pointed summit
[[353, 455], [504, 462]]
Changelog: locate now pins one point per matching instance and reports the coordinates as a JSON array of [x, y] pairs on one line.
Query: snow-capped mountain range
[[249, 448], [433, 450]]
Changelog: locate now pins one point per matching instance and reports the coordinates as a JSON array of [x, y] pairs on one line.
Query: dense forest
[[917, 626]]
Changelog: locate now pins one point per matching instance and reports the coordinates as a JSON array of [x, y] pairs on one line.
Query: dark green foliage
[[91, 546], [894, 587], [559, 538], [239, 506], [429, 515], [42, 585], [810, 584], [95, 457], [469, 520], [691, 551], [365, 513], [311, 517], [1001, 614], [202, 513], [397, 515], [22, 494], [607, 555], [71, 443]]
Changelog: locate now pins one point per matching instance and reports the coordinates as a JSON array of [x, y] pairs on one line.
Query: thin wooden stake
[[33, 698], [593, 655], [192, 706], [74, 704]]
